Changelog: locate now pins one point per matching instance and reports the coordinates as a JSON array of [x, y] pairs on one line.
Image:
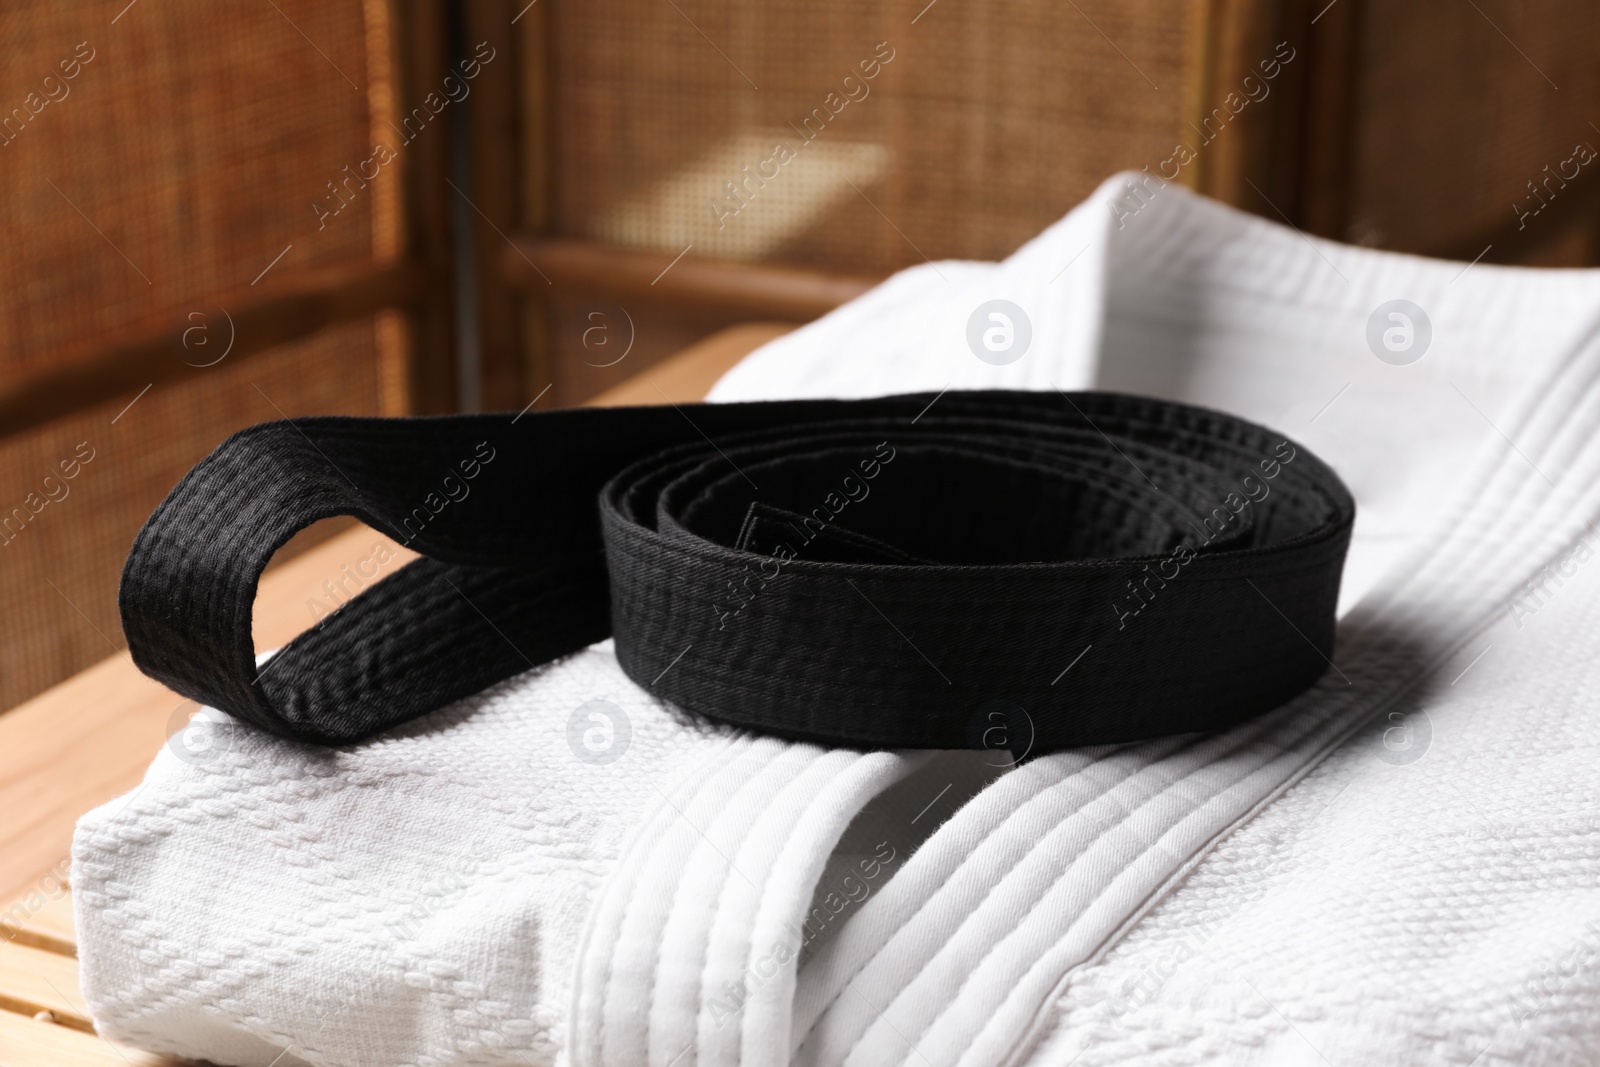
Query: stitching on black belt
[[864, 572]]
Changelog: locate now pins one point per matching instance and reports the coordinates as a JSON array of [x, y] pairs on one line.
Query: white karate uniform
[[1400, 866]]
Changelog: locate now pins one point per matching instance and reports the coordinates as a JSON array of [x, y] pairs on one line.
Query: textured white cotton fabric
[[421, 898], [1400, 866], [1447, 910]]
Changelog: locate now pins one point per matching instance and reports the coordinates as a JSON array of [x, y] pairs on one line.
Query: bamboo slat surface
[[43, 1020], [42, 919], [89, 739], [37, 980], [27, 1042]]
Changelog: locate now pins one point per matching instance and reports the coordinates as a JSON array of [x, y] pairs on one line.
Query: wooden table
[[90, 739]]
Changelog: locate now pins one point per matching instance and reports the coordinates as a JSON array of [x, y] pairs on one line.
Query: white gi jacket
[[1401, 866]]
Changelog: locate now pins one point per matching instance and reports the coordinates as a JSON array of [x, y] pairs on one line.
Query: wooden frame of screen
[[417, 283]]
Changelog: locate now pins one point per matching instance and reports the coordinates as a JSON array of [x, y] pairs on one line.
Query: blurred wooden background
[[217, 215]]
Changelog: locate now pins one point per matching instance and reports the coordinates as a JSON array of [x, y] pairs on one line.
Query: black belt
[[980, 569]]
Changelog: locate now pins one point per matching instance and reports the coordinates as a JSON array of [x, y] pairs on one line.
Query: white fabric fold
[[477, 888], [695, 939]]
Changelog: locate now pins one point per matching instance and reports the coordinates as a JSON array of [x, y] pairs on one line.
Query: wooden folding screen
[[197, 237], [789, 147], [1477, 127], [343, 190], [1431, 126]]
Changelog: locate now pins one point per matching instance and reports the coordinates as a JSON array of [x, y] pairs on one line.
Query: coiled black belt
[[913, 571]]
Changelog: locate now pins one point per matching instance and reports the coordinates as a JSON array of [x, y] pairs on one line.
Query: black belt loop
[[868, 573]]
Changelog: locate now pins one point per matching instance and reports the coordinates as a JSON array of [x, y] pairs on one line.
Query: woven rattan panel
[[1459, 107], [63, 538], [161, 162], [173, 153], [917, 129]]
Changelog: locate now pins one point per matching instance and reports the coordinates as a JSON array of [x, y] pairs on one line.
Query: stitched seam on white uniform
[[1109, 828]]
